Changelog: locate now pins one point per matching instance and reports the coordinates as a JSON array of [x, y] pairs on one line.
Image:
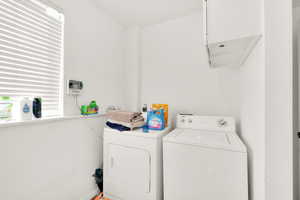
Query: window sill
[[6, 124]]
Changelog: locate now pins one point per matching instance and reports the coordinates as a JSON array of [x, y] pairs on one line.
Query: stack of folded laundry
[[124, 120]]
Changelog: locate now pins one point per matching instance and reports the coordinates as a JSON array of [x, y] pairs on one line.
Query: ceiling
[[146, 12]]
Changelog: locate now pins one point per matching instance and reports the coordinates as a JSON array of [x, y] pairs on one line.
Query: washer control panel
[[210, 123]]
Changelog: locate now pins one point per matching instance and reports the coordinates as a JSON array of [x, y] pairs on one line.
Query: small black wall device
[[37, 107]]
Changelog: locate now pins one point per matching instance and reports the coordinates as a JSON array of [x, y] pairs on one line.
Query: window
[[31, 53]]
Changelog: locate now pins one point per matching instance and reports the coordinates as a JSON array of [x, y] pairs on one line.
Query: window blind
[[31, 53]]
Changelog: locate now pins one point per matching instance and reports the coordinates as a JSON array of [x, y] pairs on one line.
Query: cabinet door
[[129, 172], [231, 19]]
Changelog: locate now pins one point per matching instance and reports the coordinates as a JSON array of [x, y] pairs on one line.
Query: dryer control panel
[[210, 123]]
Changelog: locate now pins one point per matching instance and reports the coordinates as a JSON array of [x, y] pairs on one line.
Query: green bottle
[[84, 110], [93, 107]]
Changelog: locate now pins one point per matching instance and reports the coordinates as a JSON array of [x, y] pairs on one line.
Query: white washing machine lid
[[210, 139]]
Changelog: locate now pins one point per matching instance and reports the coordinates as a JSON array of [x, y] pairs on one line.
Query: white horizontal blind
[[31, 53]]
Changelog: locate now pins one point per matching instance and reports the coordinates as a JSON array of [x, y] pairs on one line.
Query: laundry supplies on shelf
[[124, 120], [91, 109]]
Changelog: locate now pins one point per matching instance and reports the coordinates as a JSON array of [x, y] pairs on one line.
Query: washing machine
[[205, 159], [133, 164]]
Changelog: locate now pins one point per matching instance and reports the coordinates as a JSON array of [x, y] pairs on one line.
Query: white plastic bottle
[[26, 109]]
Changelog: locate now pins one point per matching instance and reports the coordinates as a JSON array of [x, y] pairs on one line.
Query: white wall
[[56, 160], [175, 70], [252, 112], [131, 70], [50, 161], [93, 53], [280, 137], [252, 117]]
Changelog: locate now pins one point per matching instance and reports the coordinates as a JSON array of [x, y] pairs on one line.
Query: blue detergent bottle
[[156, 120]]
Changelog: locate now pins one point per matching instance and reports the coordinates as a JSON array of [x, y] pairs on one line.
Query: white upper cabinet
[[232, 28]]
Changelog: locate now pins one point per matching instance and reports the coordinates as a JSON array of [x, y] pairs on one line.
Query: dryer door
[[129, 172]]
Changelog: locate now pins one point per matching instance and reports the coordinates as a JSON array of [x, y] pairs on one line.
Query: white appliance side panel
[[233, 19], [157, 182], [195, 173], [128, 172]]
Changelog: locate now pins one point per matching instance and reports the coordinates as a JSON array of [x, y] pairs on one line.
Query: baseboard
[[90, 195]]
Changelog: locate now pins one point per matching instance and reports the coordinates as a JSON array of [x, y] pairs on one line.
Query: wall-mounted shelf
[[13, 123], [232, 28]]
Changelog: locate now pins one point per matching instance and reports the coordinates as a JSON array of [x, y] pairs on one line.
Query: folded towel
[[117, 126], [137, 119], [124, 116], [128, 125]]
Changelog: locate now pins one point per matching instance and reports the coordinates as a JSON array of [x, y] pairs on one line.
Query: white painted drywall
[[252, 118], [50, 161], [252, 111], [175, 70], [93, 53], [280, 135], [56, 160], [131, 67]]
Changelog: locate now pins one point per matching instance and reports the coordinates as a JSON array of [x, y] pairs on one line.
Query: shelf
[[6, 124]]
